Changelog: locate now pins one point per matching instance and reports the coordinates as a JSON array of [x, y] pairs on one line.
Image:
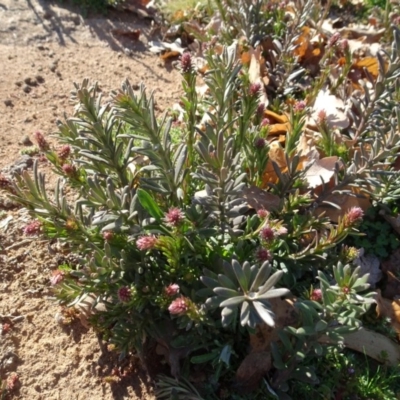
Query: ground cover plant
[[221, 237]]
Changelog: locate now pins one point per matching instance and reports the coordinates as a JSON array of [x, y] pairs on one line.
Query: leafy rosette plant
[[246, 287]]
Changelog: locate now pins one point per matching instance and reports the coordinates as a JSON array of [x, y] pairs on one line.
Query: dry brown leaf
[[308, 50], [371, 343], [260, 199], [321, 172], [345, 202], [334, 108], [276, 154], [391, 269], [133, 35], [370, 63], [169, 54], [279, 124], [368, 36], [389, 309]]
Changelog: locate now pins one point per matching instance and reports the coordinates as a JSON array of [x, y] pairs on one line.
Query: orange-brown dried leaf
[[389, 309], [276, 154], [169, 54]]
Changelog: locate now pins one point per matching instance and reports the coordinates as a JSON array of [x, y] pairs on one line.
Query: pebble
[[39, 78], [22, 164], [27, 89], [31, 82], [8, 103], [26, 141]]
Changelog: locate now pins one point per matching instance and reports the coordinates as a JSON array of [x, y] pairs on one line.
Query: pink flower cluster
[[64, 152], [174, 217], [146, 242], [172, 289], [41, 141], [268, 233], [12, 381], [57, 277], [124, 294], [316, 295], [33, 228], [186, 62], [179, 306]]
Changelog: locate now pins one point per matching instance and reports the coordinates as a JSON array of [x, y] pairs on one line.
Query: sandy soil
[[44, 48]]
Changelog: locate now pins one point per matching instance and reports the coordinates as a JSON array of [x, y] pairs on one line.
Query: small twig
[[19, 244]]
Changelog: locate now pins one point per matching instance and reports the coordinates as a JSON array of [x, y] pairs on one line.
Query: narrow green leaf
[[149, 204]]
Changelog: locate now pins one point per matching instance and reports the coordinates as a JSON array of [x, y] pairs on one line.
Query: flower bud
[[124, 294], [172, 290], [186, 62]]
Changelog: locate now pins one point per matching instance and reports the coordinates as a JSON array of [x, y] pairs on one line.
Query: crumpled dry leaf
[[334, 108], [373, 344], [309, 48], [321, 172], [260, 199], [345, 202], [369, 36], [276, 154], [258, 73], [389, 309], [369, 264], [158, 47], [279, 124]]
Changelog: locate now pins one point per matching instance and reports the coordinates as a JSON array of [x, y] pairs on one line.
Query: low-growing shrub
[[192, 245]]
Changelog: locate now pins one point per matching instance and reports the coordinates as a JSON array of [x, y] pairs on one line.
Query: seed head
[[124, 294], [179, 306], [146, 242], [41, 141], [64, 152]]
